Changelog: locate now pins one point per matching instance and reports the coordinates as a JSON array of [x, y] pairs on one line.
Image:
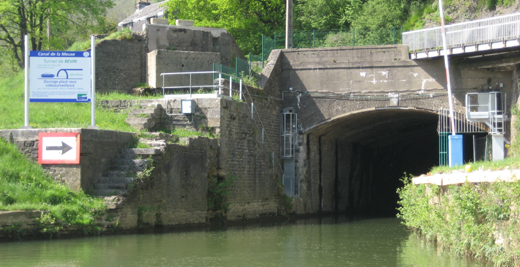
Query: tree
[[33, 17], [325, 14], [246, 20]]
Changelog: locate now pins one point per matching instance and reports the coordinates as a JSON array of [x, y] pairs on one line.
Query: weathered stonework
[[175, 193]]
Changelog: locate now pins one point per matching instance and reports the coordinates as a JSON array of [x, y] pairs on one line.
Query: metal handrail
[[190, 86], [465, 33]]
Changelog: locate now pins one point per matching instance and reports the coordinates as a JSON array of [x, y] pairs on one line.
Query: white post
[[93, 82], [220, 83], [26, 58], [288, 24], [447, 67], [230, 86], [240, 93]]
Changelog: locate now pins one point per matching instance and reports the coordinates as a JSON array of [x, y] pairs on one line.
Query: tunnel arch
[[354, 162]]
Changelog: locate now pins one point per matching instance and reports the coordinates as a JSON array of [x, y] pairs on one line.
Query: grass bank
[[25, 186], [54, 115], [477, 220]]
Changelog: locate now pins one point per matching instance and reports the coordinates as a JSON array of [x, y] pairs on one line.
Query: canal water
[[329, 241]]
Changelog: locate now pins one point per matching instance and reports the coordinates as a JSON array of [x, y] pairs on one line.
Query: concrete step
[[143, 153], [161, 136], [129, 165], [174, 111], [157, 143], [186, 126], [110, 186], [118, 173], [109, 192], [139, 111], [124, 180], [140, 122], [179, 118], [122, 163]]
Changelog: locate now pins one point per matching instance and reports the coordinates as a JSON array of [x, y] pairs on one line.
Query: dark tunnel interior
[[372, 151]]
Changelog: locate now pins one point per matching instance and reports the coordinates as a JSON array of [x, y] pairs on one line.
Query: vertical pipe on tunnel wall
[[336, 181], [320, 171]]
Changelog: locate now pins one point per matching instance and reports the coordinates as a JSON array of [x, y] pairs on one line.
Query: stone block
[[186, 23], [157, 21]]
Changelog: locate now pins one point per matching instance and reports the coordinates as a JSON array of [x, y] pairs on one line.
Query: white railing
[[466, 33], [220, 86]]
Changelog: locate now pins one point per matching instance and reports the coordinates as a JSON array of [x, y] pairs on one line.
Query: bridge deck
[[467, 37]]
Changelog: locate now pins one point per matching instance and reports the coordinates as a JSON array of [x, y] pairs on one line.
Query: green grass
[[188, 133], [512, 162], [121, 96], [54, 115], [25, 186]]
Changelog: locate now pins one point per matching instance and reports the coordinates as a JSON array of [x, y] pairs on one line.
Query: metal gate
[[462, 125]]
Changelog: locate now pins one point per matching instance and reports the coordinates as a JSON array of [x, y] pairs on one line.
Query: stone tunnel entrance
[[355, 161]]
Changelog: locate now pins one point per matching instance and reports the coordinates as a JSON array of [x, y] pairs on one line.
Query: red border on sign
[[40, 148]]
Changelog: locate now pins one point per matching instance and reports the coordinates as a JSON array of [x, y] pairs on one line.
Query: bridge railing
[[467, 33]]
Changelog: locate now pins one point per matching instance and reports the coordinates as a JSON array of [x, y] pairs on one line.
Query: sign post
[[93, 82], [26, 64]]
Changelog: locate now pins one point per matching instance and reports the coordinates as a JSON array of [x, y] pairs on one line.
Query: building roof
[[146, 12]]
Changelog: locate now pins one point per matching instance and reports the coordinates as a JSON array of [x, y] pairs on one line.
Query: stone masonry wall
[[120, 64], [175, 193], [243, 156]]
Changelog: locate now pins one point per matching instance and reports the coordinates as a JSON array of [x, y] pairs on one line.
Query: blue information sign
[[60, 76]]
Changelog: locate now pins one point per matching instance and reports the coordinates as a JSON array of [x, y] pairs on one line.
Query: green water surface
[[330, 241]]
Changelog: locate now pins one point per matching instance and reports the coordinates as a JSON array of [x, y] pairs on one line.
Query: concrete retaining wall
[[162, 61]]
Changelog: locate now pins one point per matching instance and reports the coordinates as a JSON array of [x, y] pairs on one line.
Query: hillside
[[456, 11]]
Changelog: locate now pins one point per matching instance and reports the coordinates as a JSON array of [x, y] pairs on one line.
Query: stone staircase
[[155, 118], [130, 165], [180, 120]]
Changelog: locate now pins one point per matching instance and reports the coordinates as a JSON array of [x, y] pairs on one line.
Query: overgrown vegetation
[[124, 34], [478, 220], [188, 133], [218, 189], [25, 186]]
